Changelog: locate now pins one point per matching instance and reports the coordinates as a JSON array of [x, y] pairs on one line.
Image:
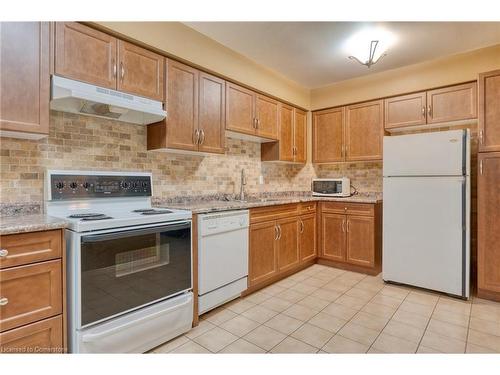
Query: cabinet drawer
[[45, 336], [306, 208], [31, 247], [364, 209], [260, 214], [31, 293]]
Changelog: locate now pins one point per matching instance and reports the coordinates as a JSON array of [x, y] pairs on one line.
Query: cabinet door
[[262, 252], [240, 109], [33, 292], [288, 245], [452, 103], [307, 237], [489, 111], [24, 77], [488, 206], [406, 110], [182, 106], [85, 54], [300, 135], [360, 241], [211, 121], [286, 147], [328, 135], [140, 71], [267, 113], [333, 236], [45, 336], [364, 131]]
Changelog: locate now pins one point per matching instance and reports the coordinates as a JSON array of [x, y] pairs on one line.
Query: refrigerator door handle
[[464, 235]]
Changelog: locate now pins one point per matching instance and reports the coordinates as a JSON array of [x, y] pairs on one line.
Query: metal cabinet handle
[[258, 123], [347, 225], [301, 226], [196, 136], [480, 136], [423, 112], [279, 232], [4, 301], [4, 253], [343, 226], [275, 232], [114, 69], [429, 111], [202, 138], [481, 167], [122, 70]]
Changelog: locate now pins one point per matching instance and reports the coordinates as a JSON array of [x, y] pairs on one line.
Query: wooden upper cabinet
[[333, 236], [24, 77], [328, 135], [240, 109], [300, 135], [364, 131], [307, 237], [452, 103], [286, 133], [406, 110], [489, 111], [488, 218], [182, 107], [211, 118], [267, 114], [262, 252], [140, 71], [360, 245], [85, 54], [288, 246]]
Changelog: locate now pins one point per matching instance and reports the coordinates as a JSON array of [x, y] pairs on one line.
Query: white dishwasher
[[222, 257]]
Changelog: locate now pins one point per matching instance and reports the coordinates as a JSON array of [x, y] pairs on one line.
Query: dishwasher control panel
[[223, 222]]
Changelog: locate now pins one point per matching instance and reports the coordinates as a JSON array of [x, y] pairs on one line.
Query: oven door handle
[[135, 232]]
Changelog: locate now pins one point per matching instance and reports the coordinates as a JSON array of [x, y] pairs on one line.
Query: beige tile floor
[[326, 310]]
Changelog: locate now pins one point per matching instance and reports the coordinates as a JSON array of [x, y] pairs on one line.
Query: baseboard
[[349, 267], [488, 294]]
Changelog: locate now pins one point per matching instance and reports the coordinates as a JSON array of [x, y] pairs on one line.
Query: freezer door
[[424, 243], [443, 153]]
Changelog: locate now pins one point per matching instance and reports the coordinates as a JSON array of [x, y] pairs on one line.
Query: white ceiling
[[313, 54]]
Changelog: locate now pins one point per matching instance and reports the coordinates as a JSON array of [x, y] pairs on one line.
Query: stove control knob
[[86, 185], [59, 185], [73, 185]]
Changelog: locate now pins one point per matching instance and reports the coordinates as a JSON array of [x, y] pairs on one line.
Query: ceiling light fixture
[[369, 45], [372, 57]]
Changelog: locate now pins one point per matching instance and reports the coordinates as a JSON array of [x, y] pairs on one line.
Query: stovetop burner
[[85, 215], [152, 211], [100, 217]]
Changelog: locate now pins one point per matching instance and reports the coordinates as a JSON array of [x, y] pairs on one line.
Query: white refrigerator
[[426, 211]]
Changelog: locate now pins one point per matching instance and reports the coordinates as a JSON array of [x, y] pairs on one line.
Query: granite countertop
[[29, 223], [204, 206]]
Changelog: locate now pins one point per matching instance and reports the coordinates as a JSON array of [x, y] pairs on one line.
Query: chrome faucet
[[243, 183]]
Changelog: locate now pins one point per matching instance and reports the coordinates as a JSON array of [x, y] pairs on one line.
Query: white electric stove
[[129, 265]]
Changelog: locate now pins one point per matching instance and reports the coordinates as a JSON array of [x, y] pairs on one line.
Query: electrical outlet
[[261, 180]]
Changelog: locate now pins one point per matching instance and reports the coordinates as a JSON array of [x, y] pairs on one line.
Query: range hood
[[72, 96]]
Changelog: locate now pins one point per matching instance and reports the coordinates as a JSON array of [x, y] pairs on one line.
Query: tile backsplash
[[81, 142]]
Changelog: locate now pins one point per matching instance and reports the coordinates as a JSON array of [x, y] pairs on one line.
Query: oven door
[[122, 271]]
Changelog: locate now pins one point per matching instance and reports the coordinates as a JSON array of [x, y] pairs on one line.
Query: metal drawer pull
[[4, 253], [4, 301]]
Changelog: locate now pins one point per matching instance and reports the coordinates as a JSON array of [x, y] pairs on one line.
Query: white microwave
[[331, 187]]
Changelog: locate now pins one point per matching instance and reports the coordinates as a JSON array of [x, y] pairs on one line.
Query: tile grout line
[[468, 325], [427, 325]]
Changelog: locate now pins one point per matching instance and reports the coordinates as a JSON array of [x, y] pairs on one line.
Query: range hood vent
[[72, 96]]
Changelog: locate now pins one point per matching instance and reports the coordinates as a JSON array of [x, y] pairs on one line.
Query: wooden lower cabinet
[[488, 220], [32, 290], [350, 236], [307, 237], [263, 252], [288, 246], [45, 336]]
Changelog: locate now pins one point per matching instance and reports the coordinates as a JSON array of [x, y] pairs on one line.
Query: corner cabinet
[[24, 79], [282, 241], [350, 236], [489, 111], [195, 112], [488, 221], [292, 137]]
